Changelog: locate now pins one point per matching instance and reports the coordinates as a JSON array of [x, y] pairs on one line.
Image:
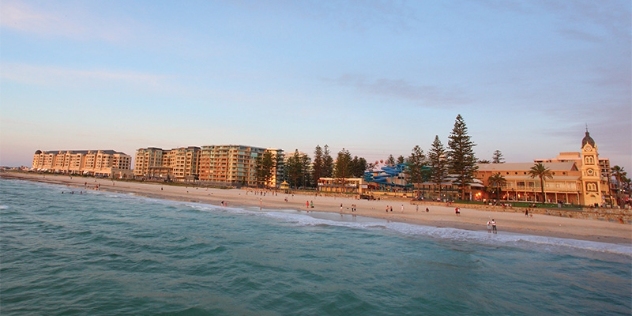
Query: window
[[590, 160]]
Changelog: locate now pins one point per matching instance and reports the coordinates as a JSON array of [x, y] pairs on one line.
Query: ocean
[[104, 253]]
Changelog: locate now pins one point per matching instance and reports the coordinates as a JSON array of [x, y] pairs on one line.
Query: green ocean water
[[102, 253]]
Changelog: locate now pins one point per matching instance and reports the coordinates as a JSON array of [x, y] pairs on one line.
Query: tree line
[[457, 158], [301, 171]]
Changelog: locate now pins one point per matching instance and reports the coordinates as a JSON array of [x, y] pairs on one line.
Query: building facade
[[147, 159], [520, 186], [335, 185], [105, 163], [177, 164], [233, 165], [580, 178]]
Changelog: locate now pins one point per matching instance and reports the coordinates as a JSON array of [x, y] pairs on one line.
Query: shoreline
[[403, 210]]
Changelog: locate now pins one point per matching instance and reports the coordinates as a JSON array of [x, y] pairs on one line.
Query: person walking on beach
[[489, 226], [427, 210], [494, 226], [402, 208], [387, 209]]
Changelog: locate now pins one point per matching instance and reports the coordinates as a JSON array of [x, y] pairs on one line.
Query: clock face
[[588, 148]]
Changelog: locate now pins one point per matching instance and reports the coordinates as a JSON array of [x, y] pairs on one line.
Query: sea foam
[[446, 233]]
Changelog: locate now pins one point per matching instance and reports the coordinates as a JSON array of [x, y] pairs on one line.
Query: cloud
[[610, 17], [56, 76], [424, 95], [347, 15], [580, 35], [72, 23], [613, 16]]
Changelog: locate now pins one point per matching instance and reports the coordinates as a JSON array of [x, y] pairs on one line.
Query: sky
[[373, 77]]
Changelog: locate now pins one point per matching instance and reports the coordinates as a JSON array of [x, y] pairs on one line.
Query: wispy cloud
[[605, 18], [56, 76], [424, 95], [347, 15], [580, 35], [71, 23]]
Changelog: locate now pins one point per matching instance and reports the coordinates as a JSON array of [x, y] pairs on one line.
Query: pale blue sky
[[374, 77]]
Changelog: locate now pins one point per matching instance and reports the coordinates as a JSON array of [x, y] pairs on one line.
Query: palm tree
[[619, 175], [497, 181], [542, 172]]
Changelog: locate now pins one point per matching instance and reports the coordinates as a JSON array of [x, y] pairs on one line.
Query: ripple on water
[[120, 254]]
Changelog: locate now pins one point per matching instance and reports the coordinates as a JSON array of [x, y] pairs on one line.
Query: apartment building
[[146, 159], [177, 164], [229, 164], [233, 165], [106, 163]]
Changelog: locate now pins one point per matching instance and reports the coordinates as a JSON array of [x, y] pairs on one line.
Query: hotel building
[[105, 163], [577, 178]]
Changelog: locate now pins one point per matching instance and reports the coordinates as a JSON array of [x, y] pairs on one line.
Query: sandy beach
[[403, 210]]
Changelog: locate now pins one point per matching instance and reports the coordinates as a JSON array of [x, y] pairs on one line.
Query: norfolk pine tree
[[328, 163], [461, 159], [306, 163], [390, 160], [415, 164], [498, 157], [294, 169], [342, 168], [438, 163], [319, 164], [265, 165]]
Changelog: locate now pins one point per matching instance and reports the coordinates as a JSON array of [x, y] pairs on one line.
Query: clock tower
[[591, 173]]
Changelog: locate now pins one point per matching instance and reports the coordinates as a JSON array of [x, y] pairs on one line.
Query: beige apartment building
[[145, 159], [106, 163], [177, 164], [232, 165], [229, 164]]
